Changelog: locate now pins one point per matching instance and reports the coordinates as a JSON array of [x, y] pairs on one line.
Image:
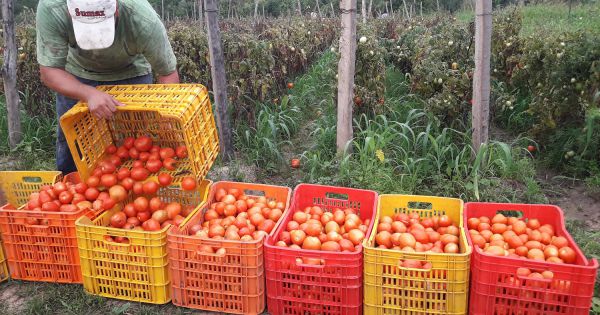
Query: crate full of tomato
[[314, 261], [216, 260], [38, 224], [525, 262], [417, 258]]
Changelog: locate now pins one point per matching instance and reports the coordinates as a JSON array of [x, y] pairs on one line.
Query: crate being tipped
[[173, 115]]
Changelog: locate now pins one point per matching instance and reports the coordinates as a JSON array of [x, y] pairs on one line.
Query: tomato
[[499, 218], [137, 164], [65, 197], [128, 183], [150, 188], [123, 173], [138, 188], [181, 152], [155, 204], [143, 216], [59, 188], [300, 217], [129, 210], [293, 225], [216, 230], [143, 143], [170, 164], [558, 241], [495, 251], [151, 225], [117, 193], [128, 142], [567, 254], [356, 236], [50, 206], [144, 156], [498, 228], [173, 209], [123, 153], [154, 165], [165, 179], [111, 149], [118, 219], [347, 245], [311, 243], [220, 193], [445, 221], [448, 238], [92, 193], [295, 163], [297, 237], [80, 188], [383, 238], [267, 226], [533, 224], [139, 173], [536, 254], [93, 181], [107, 167], [108, 180], [155, 149], [140, 204], [161, 216], [275, 214], [451, 248], [166, 153], [188, 183]]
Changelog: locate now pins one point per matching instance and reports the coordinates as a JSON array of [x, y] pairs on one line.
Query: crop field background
[[412, 114]]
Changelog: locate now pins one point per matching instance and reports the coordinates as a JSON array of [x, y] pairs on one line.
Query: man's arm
[[172, 78], [100, 104]]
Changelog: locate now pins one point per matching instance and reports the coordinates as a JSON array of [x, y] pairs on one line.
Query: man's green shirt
[[140, 42]]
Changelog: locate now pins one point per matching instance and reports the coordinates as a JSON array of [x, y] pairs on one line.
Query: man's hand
[[101, 104]]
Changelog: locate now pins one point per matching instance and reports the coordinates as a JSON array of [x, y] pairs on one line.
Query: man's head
[[93, 22]]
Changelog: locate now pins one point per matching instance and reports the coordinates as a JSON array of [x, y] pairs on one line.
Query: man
[[85, 43]]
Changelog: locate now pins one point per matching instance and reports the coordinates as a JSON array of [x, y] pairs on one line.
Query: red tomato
[[154, 165], [118, 219], [155, 204], [93, 181], [170, 164], [123, 173], [267, 226], [140, 204], [117, 193], [139, 173], [144, 156], [137, 164], [50, 206], [166, 153], [165, 179], [92, 193], [123, 153], [143, 216], [173, 210], [128, 142], [567, 254], [129, 210], [143, 143], [108, 180], [181, 152], [65, 197], [151, 225], [111, 149], [445, 221], [188, 183], [128, 183], [150, 188]]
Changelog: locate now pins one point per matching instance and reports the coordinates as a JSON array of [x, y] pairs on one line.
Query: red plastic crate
[[496, 289], [232, 283], [335, 286]]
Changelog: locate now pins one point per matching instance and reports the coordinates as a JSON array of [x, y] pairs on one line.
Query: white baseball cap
[[93, 22]]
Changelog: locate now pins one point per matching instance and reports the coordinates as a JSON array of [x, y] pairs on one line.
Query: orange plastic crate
[[171, 114], [46, 251], [136, 271], [231, 283], [4, 275]]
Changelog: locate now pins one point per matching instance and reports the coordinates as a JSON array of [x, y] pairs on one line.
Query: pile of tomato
[[235, 216], [513, 237], [411, 233], [316, 229]]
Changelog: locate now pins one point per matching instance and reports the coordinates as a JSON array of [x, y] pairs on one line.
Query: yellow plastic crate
[[4, 274], [16, 186], [137, 271], [392, 289], [171, 114]]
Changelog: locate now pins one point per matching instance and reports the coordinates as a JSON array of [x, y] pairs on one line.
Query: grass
[[36, 150], [555, 18]]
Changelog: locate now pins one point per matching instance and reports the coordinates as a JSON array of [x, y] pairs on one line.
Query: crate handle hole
[[338, 196], [510, 213], [424, 268], [32, 179], [419, 205], [78, 148], [254, 192]]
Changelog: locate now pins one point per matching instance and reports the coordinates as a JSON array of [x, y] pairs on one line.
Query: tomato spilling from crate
[[411, 233], [513, 237], [237, 217]]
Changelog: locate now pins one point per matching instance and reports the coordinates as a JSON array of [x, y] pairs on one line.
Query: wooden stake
[[370, 8], [217, 66], [299, 8], [9, 74], [363, 8], [481, 78], [346, 69], [318, 8]]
